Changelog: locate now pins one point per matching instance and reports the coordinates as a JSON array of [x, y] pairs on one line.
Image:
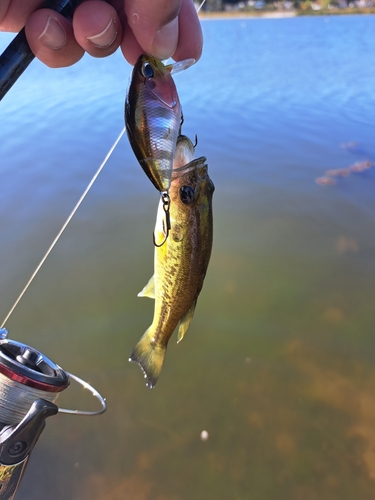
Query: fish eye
[[187, 194], [147, 70]]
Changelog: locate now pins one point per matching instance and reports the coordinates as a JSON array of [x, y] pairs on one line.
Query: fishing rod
[[18, 55]]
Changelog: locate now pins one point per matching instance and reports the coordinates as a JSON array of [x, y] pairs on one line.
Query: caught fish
[[180, 265], [153, 117]]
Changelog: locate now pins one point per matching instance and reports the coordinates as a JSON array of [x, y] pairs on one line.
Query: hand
[[162, 28]]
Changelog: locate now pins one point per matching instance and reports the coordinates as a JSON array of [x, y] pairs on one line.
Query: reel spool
[[25, 376]]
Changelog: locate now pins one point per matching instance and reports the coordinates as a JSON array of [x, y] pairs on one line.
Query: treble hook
[[166, 207]]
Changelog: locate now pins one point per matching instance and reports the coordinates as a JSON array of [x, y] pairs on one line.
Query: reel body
[[29, 384]]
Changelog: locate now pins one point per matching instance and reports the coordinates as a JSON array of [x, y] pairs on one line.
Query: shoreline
[[219, 15]]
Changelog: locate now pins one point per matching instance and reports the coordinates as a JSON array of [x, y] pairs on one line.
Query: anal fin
[[185, 322]]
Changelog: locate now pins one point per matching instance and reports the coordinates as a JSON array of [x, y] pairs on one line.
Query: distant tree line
[[303, 5], [218, 5]]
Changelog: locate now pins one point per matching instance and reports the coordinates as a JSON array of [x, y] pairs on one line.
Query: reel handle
[[17, 443]]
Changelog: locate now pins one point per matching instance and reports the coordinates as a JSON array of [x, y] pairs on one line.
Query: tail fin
[[150, 357]]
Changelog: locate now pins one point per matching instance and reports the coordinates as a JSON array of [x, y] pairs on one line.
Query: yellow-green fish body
[[180, 264]]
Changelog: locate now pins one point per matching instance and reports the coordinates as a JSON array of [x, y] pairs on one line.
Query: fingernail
[[165, 41], [53, 36], [106, 37]]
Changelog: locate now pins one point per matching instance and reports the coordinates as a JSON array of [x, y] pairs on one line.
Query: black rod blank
[[17, 56]]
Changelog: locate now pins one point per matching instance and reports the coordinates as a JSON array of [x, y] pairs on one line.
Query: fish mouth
[[197, 163], [184, 152], [184, 139]]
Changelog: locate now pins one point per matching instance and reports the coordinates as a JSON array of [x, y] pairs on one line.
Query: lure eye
[[147, 70], [187, 194]]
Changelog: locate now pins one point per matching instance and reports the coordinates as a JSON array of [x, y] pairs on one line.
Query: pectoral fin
[[185, 322], [148, 290]]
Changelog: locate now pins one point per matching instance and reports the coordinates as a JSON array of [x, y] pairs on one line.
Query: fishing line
[[16, 399], [64, 225], [201, 5]]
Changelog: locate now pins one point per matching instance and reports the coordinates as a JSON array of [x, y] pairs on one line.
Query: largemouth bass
[[180, 264], [153, 117]]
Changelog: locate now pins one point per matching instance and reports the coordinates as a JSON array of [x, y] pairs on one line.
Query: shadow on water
[[277, 367]]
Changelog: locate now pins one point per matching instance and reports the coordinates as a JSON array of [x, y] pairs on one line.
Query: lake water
[[278, 365]]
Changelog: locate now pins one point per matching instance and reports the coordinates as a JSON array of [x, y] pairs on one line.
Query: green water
[[277, 366]]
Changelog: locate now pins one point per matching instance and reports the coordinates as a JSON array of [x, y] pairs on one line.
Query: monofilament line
[[64, 225], [201, 5]]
